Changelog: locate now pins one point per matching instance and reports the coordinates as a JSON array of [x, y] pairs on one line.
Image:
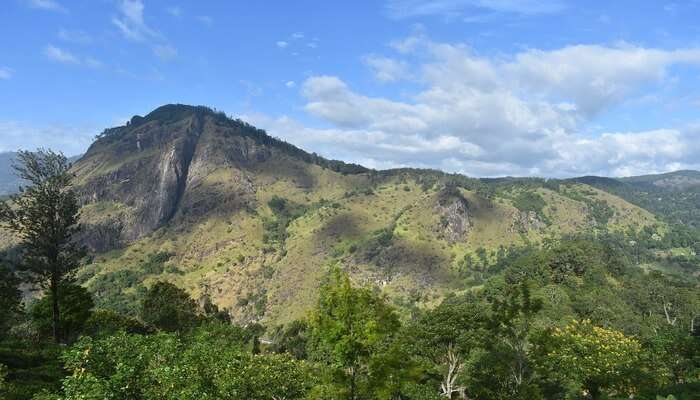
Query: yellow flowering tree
[[589, 359]]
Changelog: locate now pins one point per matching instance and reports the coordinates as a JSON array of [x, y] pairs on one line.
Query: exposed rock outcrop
[[453, 210], [525, 221]]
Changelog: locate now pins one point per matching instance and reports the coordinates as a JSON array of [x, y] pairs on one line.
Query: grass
[[334, 218]]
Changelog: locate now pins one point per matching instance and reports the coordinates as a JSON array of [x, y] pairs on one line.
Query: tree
[[202, 364], [169, 308], [107, 322], [76, 305], [349, 331], [586, 358], [511, 326], [446, 337], [9, 297], [44, 216], [291, 339]]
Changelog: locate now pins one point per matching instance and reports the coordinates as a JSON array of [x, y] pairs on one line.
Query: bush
[[169, 308], [75, 304], [203, 365], [107, 322]]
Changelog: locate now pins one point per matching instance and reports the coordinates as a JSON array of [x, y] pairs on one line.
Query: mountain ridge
[[188, 195]]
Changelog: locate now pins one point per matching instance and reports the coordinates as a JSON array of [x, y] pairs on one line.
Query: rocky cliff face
[[453, 210], [156, 168]]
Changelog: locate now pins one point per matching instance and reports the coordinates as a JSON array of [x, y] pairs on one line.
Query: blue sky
[[481, 87]]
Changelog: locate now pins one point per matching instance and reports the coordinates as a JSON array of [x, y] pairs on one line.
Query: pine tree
[[44, 216]]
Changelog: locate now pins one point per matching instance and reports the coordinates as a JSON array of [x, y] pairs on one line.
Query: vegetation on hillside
[[601, 302]]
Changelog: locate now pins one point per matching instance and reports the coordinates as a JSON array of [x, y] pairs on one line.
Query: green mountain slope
[[229, 213], [674, 196]]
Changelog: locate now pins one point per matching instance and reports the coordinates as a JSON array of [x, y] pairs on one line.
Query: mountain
[[673, 196], [9, 182], [251, 222]]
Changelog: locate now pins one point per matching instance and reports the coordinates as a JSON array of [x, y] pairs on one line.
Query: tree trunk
[[55, 314], [352, 383]]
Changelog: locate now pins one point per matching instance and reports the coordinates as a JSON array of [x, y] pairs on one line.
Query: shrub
[[169, 308], [107, 322], [75, 305]]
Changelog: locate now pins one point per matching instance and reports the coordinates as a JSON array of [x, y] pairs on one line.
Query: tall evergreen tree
[[44, 216]]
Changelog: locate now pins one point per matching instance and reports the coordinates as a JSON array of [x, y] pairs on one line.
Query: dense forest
[[571, 318]]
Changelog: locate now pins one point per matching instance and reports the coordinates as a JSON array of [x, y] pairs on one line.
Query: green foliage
[[351, 333], [109, 287], [107, 322], [45, 218], [168, 366], [154, 265], [29, 368], [9, 298], [599, 210], [3, 375], [583, 357], [284, 213], [291, 339], [76, 305], [530, 201], [169, 308]]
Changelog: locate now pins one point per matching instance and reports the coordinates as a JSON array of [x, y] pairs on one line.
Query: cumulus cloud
[[282, 44], [523, 114], [386, 69], [290, 84]]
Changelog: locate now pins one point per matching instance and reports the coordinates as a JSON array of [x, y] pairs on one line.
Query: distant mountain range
[[226, 211]]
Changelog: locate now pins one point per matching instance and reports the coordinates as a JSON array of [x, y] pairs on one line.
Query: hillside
[[227, 212], [674, 196]]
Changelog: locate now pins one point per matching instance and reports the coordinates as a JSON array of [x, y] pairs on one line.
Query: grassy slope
[[224, 254]]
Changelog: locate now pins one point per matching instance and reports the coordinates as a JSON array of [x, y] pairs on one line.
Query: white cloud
[[297, 35], [452, 8], [63, 56], [165, 52], [386, 69], [523, 114], [66, 57], [290, 84], [5, 73], [282, 44], [74, 36], [71, 140], [50, 5], [131, 23]]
